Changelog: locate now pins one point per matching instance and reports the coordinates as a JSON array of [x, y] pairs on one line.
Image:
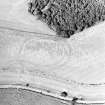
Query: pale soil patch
[[17, 11]]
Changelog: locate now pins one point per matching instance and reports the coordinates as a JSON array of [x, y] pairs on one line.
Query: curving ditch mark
[[45, 52]]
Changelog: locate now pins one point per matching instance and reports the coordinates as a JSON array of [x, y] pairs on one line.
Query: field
[[31, 53]]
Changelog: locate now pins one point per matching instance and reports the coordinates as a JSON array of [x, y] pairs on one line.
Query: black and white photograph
[[52, 52]]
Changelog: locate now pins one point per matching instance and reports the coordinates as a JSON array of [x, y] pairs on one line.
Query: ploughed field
[[67, 17]]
